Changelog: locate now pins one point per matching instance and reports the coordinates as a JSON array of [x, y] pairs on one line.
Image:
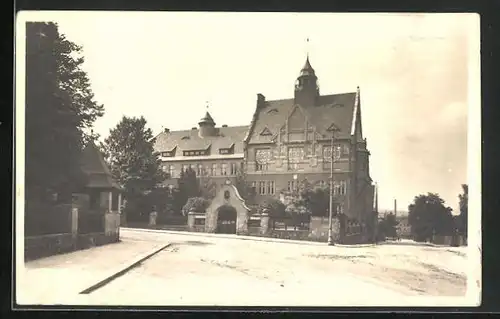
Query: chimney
[[261, 99], [166, 130], [224, 125], [194, 128]]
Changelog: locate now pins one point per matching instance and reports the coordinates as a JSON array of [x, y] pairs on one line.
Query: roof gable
[[335, 108], [94, 166], [188, 140]]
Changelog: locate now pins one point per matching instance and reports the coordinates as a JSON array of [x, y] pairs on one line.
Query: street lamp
[[295, 186], [333, 129]]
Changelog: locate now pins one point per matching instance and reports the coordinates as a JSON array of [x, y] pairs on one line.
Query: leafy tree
[[309, 198], [188, 186], [245, 189], [207, 187], [464, 206], [272, 206], [428, 216], [195, 204], [388, 225], [60, 108], [134, 163]]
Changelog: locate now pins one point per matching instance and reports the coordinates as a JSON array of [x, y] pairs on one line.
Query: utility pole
[[330, 216]]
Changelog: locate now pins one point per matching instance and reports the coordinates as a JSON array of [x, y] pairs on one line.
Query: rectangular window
[[292, 186], [164, 168], [270, 188], [295, 156], [254, 187], [339, 187], [214, 169], [261, 166], [234, 168], [200, 171], [262, 188], [193, 167], [223, 169], [185, 167], [171, 171]]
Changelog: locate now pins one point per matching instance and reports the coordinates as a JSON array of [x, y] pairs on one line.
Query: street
[[202, 270]]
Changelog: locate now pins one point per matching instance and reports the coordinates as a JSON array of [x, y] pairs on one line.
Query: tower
[[306, 86], [207, 126]]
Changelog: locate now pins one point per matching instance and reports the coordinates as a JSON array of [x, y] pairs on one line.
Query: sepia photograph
[[244, 159]]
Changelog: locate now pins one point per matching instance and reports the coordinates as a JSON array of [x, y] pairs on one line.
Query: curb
[[243, 237], [123, 269]]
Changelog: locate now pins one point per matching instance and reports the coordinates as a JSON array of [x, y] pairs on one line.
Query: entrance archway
[[226, 219]]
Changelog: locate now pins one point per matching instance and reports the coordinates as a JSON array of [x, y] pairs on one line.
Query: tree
[[388, 225], [195, 204], [188, 186], [134, 163], [428, 216], [464, 206], [207, 187], [308, 198], [247, 192], [60, 109], [272, 206]]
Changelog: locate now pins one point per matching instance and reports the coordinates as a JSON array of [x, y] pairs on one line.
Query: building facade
[[291, 139], [287, 141], [215, 152]]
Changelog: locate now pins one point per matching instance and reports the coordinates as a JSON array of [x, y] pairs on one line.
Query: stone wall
[[47, 245], [52, 244]]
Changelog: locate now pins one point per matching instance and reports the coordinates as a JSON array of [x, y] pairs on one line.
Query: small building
[[91, 219], [99, 203]]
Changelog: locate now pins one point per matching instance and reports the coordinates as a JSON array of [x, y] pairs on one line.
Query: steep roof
[[207, 119], [335, 108], [94, 166], [188, 140]]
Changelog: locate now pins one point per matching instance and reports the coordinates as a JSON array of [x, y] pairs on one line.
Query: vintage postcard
[[247, 159]]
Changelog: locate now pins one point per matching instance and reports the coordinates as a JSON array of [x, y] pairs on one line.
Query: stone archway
[[226, 219], [227, 196]]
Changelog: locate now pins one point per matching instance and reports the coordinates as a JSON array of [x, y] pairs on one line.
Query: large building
[[209, 150], [287, 141]]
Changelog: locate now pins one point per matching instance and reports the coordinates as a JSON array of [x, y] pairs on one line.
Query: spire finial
[[307, 47]]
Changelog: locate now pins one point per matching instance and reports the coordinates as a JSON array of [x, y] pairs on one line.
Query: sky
[[412, 70]]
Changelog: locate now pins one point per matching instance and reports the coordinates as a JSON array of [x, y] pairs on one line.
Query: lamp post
[[330, 216]]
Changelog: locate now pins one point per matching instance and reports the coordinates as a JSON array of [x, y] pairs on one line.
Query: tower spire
[[307, 48]]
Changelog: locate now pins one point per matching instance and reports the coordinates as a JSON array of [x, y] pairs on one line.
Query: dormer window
[[272, 111], [168, 154], [227, 150], [195, 153], [266, 132]]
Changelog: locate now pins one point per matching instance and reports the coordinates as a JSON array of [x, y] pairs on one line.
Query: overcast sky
[[412, 71]]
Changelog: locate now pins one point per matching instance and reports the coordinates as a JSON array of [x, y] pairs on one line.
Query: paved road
[[198, 270]]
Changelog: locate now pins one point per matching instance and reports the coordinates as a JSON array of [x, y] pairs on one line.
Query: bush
[[274, 207], [195, 204]]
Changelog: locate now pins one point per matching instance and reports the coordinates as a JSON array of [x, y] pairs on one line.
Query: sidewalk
[[242, 237], [59, 279]]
